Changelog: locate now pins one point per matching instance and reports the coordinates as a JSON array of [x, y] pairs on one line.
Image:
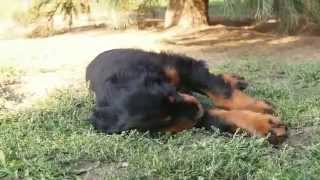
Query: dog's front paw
[[236, 81]]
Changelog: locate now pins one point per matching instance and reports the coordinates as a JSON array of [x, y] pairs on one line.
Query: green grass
[[52, 140], [235, 10], [9, 76]]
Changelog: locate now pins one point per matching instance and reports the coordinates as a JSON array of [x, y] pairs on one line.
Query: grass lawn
[[52, 140]]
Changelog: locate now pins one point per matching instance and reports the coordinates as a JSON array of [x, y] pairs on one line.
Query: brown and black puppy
[[159, 84]]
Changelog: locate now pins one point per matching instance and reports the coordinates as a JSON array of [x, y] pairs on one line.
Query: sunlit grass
[[52, 140]]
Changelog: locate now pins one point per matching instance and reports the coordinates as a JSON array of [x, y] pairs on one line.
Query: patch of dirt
[[222, 42], [95, 170], [302, 136]]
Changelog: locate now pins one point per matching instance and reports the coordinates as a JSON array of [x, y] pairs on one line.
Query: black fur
[[132, 90]]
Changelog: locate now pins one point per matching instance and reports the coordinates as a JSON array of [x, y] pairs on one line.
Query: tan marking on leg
[[241, 101], [254, 123]]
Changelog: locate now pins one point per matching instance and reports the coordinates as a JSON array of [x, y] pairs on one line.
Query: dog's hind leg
[[251, 122], [224, 95], [223, 90], [240, 101]]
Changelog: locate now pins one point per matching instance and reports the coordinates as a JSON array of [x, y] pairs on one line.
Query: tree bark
[[276, 7], [186, 13]]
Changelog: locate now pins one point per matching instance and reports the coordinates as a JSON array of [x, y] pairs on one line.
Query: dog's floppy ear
[[104, 119]]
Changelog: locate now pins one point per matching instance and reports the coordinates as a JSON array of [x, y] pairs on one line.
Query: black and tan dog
[[142, 90]]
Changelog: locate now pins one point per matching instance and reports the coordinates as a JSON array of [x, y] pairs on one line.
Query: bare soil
[[301, 137]]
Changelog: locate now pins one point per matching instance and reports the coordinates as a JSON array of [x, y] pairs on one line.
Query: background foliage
[[292, 15]]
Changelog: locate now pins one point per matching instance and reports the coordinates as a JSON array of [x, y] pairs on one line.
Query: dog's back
[[123, 64], [110, 62]]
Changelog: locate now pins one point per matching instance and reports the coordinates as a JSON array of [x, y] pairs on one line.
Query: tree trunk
[[307, 9], [186, 13], [276, 7]]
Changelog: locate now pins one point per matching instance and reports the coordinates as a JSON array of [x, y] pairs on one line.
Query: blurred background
[[47, 17]]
